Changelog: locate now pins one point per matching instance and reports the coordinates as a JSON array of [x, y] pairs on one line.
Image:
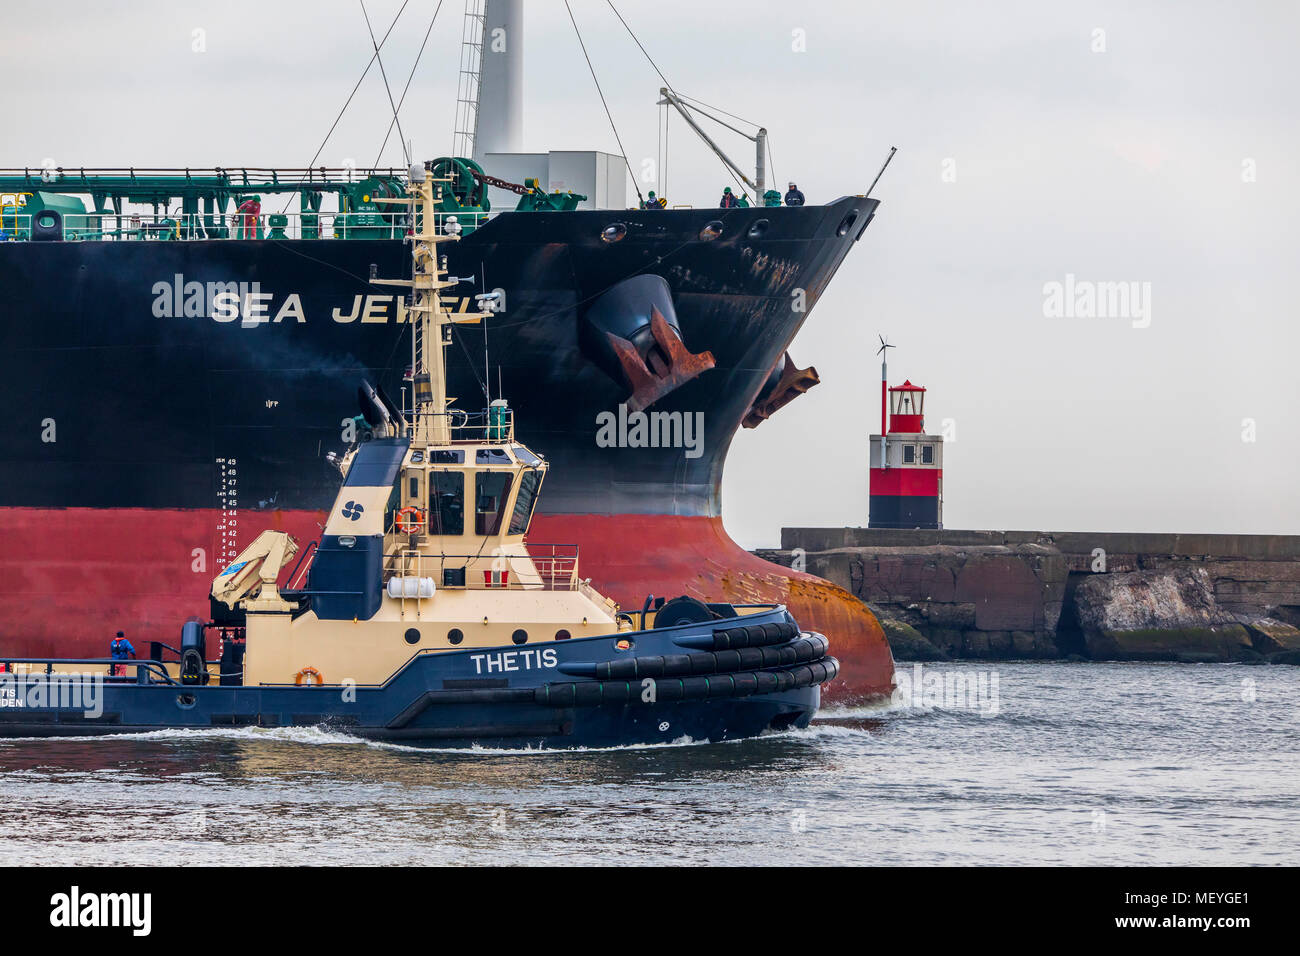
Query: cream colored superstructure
[[456, 571]]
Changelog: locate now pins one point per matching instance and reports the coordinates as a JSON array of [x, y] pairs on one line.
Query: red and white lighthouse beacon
[[906, 463]]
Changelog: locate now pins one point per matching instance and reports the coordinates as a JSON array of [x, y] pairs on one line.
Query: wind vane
[[884, 393]]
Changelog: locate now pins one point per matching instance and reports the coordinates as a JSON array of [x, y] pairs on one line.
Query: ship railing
[[547, 567], [557, 564], [496, 425], [14, 225], [247, 178], [145, 670], [300, 570], [109, 226]]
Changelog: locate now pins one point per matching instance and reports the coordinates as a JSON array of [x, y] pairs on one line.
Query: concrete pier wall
[[1034, 594]]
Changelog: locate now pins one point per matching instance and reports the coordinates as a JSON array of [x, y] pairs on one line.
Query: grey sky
[[1118, 165]]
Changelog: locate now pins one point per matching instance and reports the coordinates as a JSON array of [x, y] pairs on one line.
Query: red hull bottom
[[70, 578]]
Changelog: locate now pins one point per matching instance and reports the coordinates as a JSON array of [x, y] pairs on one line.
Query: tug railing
[[495, 425], [145, 670], [546, 567]]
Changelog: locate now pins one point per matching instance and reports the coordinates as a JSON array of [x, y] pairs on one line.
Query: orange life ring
[[409, 520], [308, 676]]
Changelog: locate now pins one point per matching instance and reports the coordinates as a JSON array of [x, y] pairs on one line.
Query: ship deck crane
[[253, 574], [759, 139]]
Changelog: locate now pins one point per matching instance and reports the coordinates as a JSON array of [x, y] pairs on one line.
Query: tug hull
[[149, 710], [549, 694]]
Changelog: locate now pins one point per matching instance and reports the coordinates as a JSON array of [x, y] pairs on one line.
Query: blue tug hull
[[720, 680]]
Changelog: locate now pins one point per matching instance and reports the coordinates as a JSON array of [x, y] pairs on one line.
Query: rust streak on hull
[[630, 556]]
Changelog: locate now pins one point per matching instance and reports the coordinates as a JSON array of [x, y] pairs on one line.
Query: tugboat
[[427, 618]]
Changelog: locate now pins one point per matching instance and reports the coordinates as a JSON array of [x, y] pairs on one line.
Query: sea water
[[1074, 763]]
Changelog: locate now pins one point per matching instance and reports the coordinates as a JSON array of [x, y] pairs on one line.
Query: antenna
[[884, 400], [487, 372], [867, 194], [430, 322]]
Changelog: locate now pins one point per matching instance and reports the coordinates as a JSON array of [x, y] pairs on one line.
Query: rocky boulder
[[1169, 615], [907, 643], [1271, 636]]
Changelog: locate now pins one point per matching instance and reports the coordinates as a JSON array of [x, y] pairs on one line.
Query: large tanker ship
[[169, 376]]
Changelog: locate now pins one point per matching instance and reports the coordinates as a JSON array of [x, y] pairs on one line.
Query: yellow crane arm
[[253, 573]]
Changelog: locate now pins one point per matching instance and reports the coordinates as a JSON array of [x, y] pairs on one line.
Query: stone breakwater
[[1032, 594]]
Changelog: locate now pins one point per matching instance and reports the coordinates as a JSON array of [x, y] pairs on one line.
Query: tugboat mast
[[430, 322]]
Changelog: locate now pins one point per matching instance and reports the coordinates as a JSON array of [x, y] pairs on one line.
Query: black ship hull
[[145, 433]]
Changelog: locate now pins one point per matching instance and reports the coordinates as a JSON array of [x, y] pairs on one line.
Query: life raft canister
[[409, 520], [308, 677]]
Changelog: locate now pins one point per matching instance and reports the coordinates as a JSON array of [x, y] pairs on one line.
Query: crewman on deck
[[653, 202], [120, 649], [794, 197], [247, 219], [728, 199]]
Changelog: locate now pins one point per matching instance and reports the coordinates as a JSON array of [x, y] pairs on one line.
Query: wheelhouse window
[[524, 501], [446, 502], [526, 456], [491, 492]]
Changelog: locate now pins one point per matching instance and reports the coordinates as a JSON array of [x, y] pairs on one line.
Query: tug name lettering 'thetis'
[[503, 661]]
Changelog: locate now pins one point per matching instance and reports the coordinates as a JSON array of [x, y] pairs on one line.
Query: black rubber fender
[[698, 687], [809, 647], [746, 635]]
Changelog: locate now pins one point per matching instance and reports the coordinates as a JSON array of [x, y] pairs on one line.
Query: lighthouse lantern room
[[906, 463]]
